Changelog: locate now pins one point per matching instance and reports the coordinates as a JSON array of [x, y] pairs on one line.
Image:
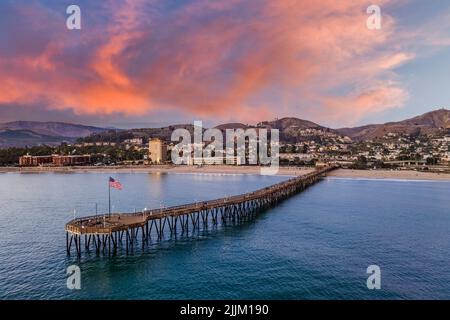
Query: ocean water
[[315, 245]]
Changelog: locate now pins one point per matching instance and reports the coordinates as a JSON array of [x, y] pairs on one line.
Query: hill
[[432, 122], [118, 136], [294, 130], [31, 133]]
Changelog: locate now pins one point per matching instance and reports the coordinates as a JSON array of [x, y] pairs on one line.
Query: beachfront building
[[54, 160], [35, 161], [233, 160], [71, 160], [157, 151]]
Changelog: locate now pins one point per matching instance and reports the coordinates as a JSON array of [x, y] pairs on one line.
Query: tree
[[431, 161]]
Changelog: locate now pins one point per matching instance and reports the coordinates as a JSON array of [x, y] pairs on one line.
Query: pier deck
[[106, 233]]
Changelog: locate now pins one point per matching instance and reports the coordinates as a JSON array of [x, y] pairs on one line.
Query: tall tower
[[158, 151]]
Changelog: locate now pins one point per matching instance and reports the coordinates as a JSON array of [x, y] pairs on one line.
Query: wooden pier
[[105, 234]]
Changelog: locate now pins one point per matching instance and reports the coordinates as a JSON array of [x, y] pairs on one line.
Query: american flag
[[115, 184]]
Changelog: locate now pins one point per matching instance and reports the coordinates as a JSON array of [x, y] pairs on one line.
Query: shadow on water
[[150, 247]]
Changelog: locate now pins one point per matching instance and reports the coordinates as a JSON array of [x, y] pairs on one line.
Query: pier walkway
[[104, 233]]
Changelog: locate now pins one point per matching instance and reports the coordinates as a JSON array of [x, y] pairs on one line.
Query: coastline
[[213, 169], [224, 169], [389, 174]]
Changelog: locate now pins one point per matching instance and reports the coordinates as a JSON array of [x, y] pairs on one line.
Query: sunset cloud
[[240, 60]]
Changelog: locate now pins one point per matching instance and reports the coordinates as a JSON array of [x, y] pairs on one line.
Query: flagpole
[[109, 197]]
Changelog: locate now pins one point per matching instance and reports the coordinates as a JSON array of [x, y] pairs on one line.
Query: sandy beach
[[223, 169], [389, 174], [216, 169]]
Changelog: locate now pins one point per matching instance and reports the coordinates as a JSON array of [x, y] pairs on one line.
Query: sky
[[137, 63]]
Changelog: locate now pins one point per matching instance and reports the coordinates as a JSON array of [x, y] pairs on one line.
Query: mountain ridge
[[30, 133], [292, 130], [427, 123]]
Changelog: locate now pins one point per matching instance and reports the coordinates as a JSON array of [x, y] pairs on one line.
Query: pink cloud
[[357, 105], [213, 59]]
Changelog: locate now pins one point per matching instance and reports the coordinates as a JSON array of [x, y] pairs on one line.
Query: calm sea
[[316, 245]]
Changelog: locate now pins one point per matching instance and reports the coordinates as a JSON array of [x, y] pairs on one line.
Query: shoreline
[[213, 169], [389, 174], [224, 169]]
